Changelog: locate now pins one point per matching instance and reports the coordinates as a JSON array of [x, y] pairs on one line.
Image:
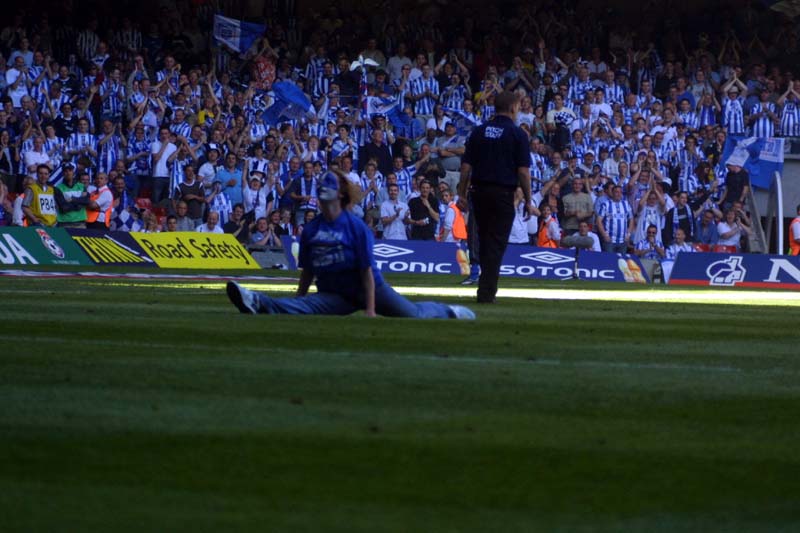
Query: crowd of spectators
[[138, 116]]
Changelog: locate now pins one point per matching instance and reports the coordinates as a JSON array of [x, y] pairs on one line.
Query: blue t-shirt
[[234, 192], [337, 252]]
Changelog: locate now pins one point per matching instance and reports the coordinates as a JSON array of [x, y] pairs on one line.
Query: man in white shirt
[[161, 150], [17, 82], [37, 156], [395, 65], [208, 170], [211, 225], [583, 238], [100, 200], [394, 216]]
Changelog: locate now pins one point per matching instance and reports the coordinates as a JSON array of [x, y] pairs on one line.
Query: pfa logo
[[550, 258], [50, 244], [726, 273], [388, 251]]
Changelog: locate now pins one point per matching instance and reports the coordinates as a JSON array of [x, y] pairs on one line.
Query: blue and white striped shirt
[[116, 100], [176, 174], [733, 115], [140, 167], [708, 116], [182, 129], [578, 90], [790, 119], [173, 79], [645, 101], [405, 177], [644, 244], [615, 94], [691, 120], [258, 132], [314, 67], [370, 197], [763, 127], [424, 106], [79, 140], [56, 103], [453, 97], [109, 153], [674, 249], [537, 174], [616, 218], [322, 85]]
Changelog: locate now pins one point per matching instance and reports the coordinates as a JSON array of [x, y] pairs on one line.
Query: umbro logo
[[550, 258], [387, 251]]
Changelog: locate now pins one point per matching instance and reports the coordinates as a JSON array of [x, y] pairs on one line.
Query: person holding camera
[[731, 230]]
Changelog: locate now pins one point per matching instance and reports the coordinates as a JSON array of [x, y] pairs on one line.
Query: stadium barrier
[[117, 248], [58, 246], [39, 246], [737, 270], [428, 257], [195, 250]]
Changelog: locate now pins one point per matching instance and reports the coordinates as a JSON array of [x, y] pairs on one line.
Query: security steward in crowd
[[39, 204], [496, 160]]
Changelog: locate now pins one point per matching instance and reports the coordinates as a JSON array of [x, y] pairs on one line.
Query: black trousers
[[473, 247], [494, 214], [97, 226]]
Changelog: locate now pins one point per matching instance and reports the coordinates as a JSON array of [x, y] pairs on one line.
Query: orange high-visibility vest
[[544, 240], [793, 246], [93, 214], [459, 226]]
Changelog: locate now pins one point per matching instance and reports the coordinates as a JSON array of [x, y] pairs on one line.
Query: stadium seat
[[700, 247], [722, 249], [160, 212], [144, 203]]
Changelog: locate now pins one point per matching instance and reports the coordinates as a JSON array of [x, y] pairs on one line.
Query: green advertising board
[[39, 246]]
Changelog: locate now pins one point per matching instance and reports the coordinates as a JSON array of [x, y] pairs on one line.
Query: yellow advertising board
[[195, 250]]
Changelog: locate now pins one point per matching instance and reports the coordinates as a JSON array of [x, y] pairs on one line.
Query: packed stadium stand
[[206, 116]]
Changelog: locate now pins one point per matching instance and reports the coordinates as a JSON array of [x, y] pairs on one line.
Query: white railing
[[775, 212]]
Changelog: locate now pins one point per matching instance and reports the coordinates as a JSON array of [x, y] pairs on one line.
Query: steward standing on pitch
[[495, 163]]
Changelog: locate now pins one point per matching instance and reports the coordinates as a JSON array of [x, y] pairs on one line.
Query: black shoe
[[487, 300]]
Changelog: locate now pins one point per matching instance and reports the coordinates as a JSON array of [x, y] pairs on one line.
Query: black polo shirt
[[496, 150]]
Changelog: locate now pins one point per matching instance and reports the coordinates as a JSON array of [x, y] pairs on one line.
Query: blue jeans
[[387, 303], [160, 190], [615, 248]]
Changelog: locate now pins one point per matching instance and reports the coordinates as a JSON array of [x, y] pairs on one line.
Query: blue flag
[[390, 108], [761, 157], [463, 121], [237, 34], [290, 102]]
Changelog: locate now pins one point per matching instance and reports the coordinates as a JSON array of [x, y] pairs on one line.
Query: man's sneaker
[[245, 300], [469, 281], [462, 313]]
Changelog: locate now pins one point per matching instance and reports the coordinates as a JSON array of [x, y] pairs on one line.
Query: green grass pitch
[[155, 406]]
